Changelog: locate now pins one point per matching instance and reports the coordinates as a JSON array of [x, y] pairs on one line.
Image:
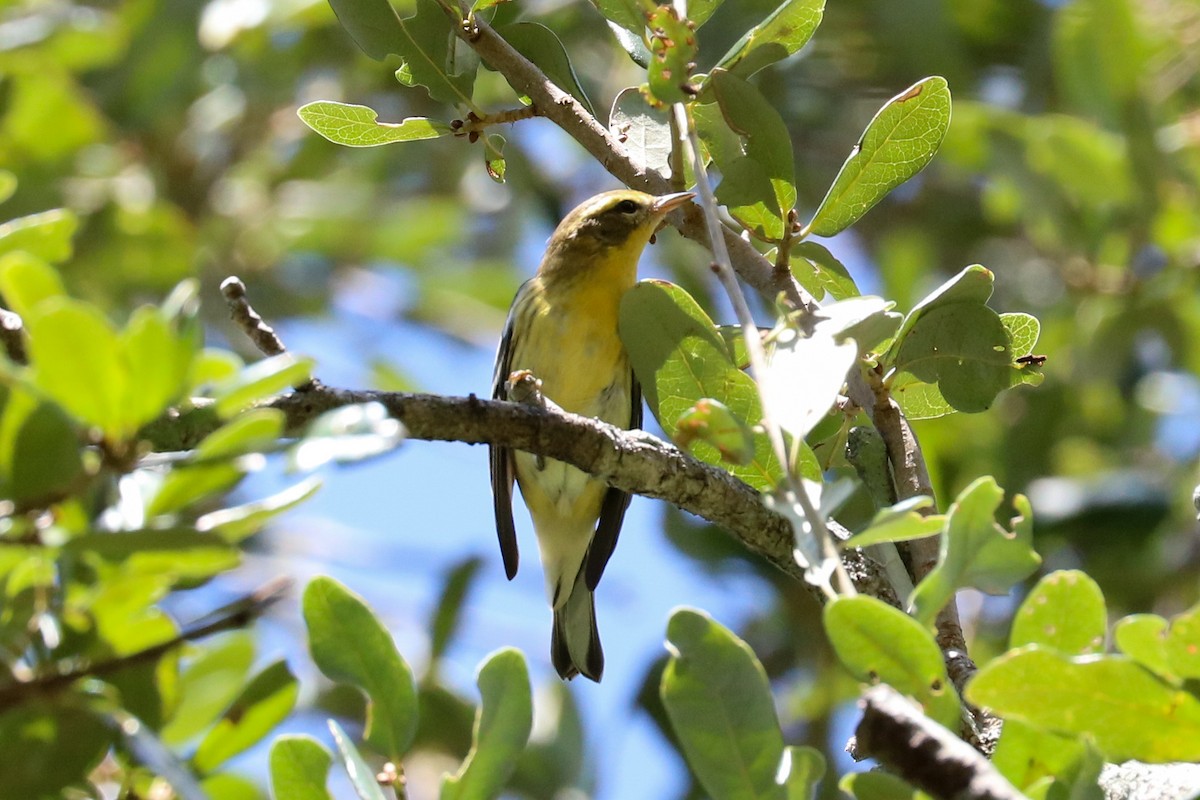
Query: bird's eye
[[626, 207]]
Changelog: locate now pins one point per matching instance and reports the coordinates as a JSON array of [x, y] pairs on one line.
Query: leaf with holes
[[359, 126]]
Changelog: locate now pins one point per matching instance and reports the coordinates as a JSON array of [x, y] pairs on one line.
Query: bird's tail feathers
[[575, 640]]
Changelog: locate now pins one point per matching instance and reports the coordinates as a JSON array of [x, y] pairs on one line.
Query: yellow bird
[[562, 332]]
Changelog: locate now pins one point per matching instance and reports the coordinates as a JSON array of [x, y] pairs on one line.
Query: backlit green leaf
[[897, 144], [359, 126], [784, 32], [877, 642], [26, 280], [801, 771], [1126, 710], [208, 684], [46, 235], [299, 768], [261, 380], [263, 704], [1064, 612]]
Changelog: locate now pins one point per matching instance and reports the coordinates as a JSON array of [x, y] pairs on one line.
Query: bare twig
[[12, 336], [259, 332], [235, 615], [894, 731]]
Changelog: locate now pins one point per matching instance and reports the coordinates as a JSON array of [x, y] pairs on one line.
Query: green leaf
[[720, 706], [820, 273], [26, 280], [877, 642], [896, 145], [235, 523], [673, 51], [208, 685], [1143, 637], [433, 55], [784, 32], [358, 126], [502, 726], [362, 778], [952, 352], [878, 786], [699, 11], [711, 421], [804, 376], [259, 381], [643, 129], [228, 786], [350, 645], [8, 185], [159, 363], [493, 156], [680, 358], [263, 703], [176, 554], [975, 551], [46, 235], [448, 615], [299, 768], [49, 748], [545, 50], [40, 450], [1127, 711], [1183, 645], [759, 194], [1026, 755], [801, 771], [1064, 612], [76, 360], [896, 527], [868, 320], [627, 14]]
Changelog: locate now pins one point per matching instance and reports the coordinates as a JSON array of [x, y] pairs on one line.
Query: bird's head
[[611, 225]]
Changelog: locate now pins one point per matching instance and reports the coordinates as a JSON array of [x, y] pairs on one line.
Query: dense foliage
[[149, 149]]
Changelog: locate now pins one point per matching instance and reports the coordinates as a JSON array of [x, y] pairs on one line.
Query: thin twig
[[235, 615], [894, 731], [257, 331], [12, 336]]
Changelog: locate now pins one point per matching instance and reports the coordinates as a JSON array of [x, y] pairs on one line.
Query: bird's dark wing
[[612, 512], [501, 461]]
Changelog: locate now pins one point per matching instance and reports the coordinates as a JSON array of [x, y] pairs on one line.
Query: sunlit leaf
[[1065, 612], [26, 280], [46, 235], [263, 704], [800, 772], [299, 768], [1125, 709], [897, 144], [877, 642], [208, 684], [782, 33], [804, 376], [260, 380], [359, 126], [346, 435]]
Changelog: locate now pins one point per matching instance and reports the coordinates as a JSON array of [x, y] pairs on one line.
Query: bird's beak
[[669, 202]]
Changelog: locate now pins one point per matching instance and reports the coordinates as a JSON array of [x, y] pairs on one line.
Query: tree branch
[[895, 732], [634, 461]]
